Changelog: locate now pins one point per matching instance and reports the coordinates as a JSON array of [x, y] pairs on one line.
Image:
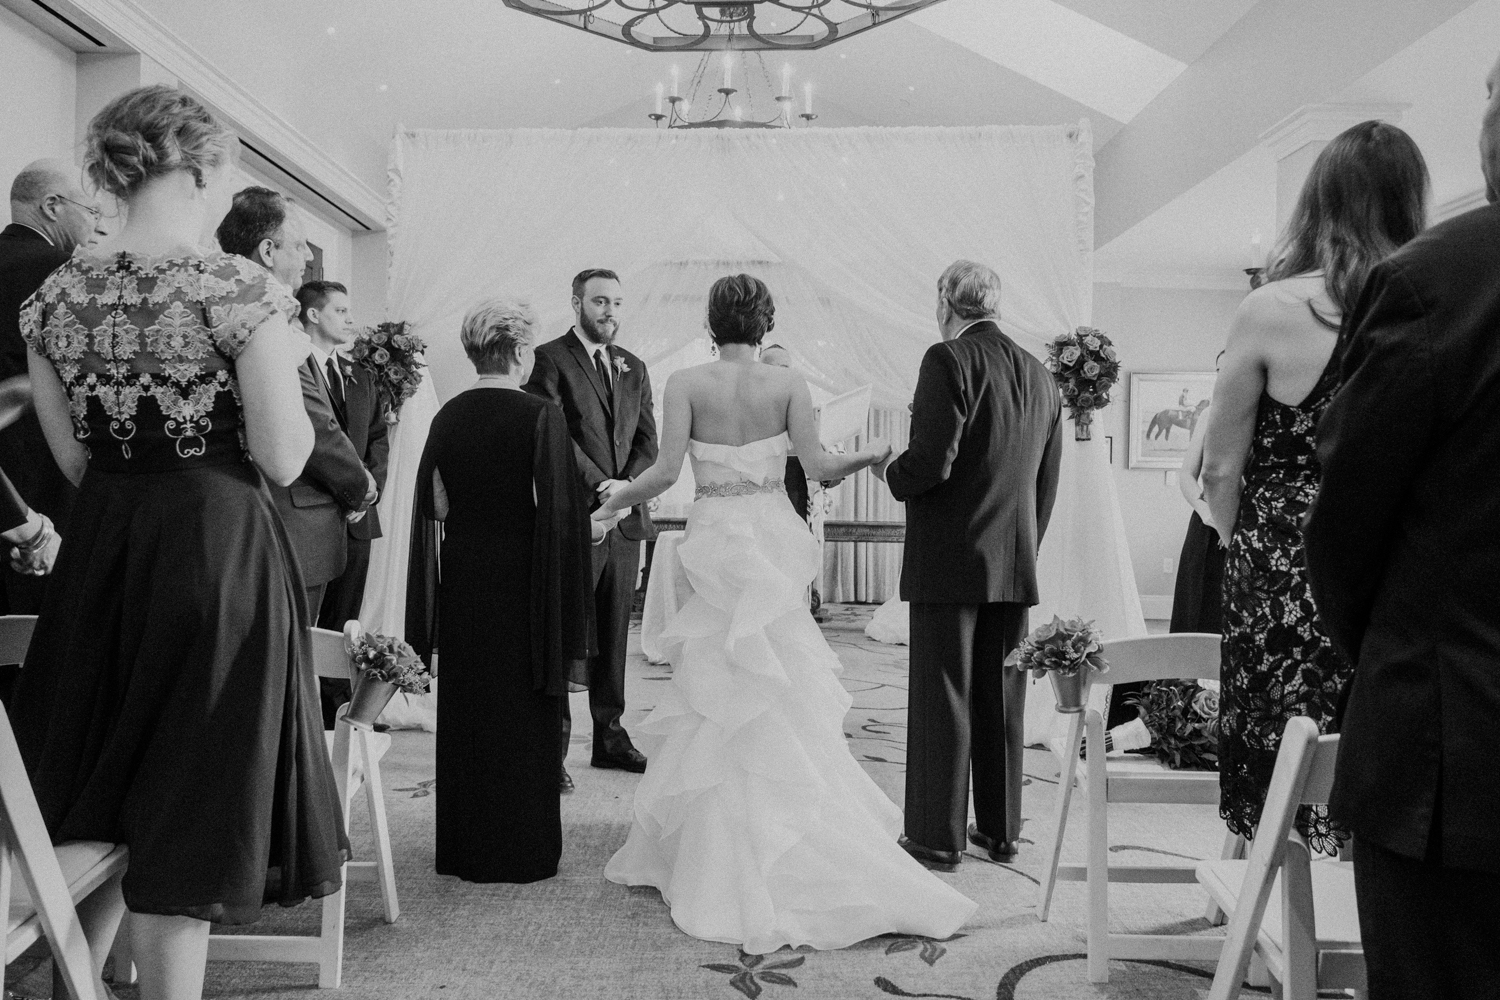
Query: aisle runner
[[578, 936]]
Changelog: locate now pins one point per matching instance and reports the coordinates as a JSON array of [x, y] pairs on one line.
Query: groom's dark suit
[[978, 479], [614, 437]]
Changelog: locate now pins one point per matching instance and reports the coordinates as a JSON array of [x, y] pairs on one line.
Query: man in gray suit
[[978, 478], [335, 486]]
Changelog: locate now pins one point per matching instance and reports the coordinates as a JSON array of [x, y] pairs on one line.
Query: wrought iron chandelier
[[726, 111], [690, 25]]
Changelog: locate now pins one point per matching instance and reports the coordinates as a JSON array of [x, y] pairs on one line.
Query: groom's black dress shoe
[[565, 784], [1003, 851], [629, 759], [938, 861]]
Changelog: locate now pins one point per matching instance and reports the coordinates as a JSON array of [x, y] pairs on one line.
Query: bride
[[753, 819]]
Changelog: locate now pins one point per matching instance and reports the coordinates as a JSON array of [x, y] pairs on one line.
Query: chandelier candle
[[807, 98], [676, 81], [658, 98], [786, 80], [728, 65]]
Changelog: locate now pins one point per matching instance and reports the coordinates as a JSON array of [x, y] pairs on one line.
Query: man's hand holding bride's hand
[[602, 520]]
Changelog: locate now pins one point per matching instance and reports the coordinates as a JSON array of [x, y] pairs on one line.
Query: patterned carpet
[[580, 936]]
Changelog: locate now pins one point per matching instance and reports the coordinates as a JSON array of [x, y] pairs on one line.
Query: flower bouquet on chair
[[1183, 717], [393, 354], [1086, 367], [1069, 653], [382, 665]]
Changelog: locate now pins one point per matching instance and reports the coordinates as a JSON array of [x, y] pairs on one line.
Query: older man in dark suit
[[979, 479], [605, 393], [50, 215], [335, 487], [1403, 556]]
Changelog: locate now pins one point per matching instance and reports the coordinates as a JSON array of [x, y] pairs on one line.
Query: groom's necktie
[[603, 368]]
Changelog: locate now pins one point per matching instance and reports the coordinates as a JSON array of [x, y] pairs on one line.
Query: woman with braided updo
[[168, 701]]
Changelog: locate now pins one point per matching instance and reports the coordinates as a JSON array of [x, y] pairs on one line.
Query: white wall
[[1156, 329], [37, 99]]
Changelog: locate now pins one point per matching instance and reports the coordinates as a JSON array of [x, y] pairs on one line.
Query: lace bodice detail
[[739, 470], [145, 348]]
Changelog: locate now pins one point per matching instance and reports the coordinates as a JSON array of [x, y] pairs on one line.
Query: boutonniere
[[620, 366]]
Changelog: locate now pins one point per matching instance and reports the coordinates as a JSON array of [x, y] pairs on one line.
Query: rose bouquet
[[1069, 653], [393, 354], [391, 660], [1086, 367], [1183, 717]]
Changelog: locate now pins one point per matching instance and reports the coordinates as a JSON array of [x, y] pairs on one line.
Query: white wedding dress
[[753, 818]]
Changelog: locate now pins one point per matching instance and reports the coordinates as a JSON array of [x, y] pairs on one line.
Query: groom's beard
[[603, 332]]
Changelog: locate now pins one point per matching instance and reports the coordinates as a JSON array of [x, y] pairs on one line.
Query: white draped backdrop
[[850, 228]]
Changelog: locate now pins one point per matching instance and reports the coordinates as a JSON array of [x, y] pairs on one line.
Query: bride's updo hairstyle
[[150, 132], [740, 310]]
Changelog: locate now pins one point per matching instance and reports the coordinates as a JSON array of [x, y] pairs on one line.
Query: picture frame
[[1164, 409]]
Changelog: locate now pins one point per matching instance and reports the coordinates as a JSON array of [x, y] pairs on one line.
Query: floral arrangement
[[393, 355], [1183, 717], [1062, 647], [1086, 367], [391, 660]]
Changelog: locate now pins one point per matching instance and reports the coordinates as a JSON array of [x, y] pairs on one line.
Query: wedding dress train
[[753, 819]]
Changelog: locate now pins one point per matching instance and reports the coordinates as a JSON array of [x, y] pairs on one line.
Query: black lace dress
[[1277, 660], [168, 700]]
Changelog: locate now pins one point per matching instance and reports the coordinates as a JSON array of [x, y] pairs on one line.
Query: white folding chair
[[1178, 656], [53, 880], [356, 757], [1311, 940]]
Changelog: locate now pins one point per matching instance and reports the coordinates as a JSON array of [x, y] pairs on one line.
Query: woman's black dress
[[507, 590], [1198, 598], [168, 699], [1277, 660]]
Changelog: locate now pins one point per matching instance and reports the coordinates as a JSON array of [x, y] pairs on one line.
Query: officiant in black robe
[[504, 597]]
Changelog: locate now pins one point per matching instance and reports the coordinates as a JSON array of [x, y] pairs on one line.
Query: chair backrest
[[330, 655], [15, 637], [24, 839], [1170, 657], [1303, 776]]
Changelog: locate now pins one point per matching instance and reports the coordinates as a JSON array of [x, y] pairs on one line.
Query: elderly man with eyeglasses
[[50, 215]]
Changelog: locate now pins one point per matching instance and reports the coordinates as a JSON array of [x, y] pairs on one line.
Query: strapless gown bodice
[[753, 818], [724, 470]]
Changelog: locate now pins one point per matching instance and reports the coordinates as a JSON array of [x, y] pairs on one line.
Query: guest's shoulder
[[1451, 254]]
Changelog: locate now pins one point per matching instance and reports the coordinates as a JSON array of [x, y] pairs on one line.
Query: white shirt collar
[[589, 346], [973, 324], [43, 235]]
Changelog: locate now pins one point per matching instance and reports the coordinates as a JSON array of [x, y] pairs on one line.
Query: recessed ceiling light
[[912, 89], [332, 30], [384, 87], [557, 81], [843, 55]]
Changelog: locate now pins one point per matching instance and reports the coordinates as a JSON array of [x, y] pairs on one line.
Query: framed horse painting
[[1165, 408]]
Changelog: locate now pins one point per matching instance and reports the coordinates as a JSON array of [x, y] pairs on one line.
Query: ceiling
[[1178, 91]]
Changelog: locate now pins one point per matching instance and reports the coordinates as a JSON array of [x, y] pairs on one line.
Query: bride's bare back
[[735, 403]]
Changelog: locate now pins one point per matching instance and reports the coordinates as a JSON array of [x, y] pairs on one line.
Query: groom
[[978, 479], [606, 395]]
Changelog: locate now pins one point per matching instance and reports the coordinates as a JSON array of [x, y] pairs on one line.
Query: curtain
[[850, 228]]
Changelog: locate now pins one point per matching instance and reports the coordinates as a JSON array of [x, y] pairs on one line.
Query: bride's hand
[[881, 452]]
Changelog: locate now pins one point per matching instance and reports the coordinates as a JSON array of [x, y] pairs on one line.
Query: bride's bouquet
[[392, 354], [1086, 367], [1183, 717]]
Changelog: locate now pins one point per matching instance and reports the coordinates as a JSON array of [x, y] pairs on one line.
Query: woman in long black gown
[[510, 619]]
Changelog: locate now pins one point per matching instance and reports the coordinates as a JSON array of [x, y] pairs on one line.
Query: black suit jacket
[[363, 420], [980, 475], [332, 484], [608, 443], [26, 259], [1403, 547]]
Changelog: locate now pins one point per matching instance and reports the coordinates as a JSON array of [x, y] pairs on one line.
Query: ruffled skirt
[[753, 819]]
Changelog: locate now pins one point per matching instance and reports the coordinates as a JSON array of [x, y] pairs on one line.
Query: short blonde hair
[[494, 332], [972, 290]]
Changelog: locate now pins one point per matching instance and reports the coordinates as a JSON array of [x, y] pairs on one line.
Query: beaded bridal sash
[[740, 489]]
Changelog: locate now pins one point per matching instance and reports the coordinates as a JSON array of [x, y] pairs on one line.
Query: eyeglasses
[[94, 213]]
